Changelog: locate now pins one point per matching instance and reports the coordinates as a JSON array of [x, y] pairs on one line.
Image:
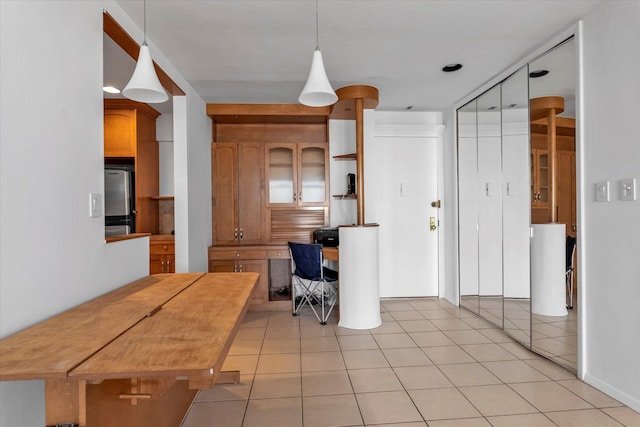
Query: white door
[[400, 185]]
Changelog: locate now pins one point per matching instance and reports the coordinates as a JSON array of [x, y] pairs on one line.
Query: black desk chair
[[312, 284], [570, 253]]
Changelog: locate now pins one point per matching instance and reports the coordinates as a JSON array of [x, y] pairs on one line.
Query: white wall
[[192, 172], [609, 233], [52, 254]]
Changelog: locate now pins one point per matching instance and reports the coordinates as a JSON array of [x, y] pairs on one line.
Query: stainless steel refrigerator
[[119, 208]]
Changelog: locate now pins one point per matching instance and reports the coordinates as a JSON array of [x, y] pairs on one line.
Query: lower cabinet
[[162, 254], [258, 259]]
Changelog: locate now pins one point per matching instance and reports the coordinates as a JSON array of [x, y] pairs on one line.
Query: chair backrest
[[307, 258], [571, 248]]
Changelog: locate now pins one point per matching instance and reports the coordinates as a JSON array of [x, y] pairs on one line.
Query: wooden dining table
[[135, 356]]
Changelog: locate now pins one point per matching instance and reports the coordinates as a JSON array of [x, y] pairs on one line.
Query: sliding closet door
[[468, 205], [490, 206]]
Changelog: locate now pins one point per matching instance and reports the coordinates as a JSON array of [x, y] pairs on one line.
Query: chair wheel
[[323, 323], [294, 314], [570, 307]]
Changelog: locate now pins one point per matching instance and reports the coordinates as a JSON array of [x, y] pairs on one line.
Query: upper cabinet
[[297, 174], [238, 193], [270, 172]]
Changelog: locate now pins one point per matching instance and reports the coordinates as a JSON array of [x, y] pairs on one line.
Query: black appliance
[[351, 183], [326, 237], [119, 201]]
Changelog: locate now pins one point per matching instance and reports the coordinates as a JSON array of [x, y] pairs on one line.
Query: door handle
[[432, 223]]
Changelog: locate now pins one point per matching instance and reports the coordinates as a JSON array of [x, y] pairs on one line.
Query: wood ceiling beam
[[129, 45]]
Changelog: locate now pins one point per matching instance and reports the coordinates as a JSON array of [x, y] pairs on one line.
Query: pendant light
[[144, 85], [318, 91]]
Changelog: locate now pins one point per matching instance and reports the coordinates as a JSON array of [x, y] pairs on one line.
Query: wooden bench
[[135, 356]]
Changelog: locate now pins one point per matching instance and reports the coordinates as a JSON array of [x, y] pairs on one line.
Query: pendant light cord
[[317, 43], [144, 21]]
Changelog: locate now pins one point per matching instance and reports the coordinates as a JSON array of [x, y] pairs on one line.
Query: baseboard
[[624, 398]]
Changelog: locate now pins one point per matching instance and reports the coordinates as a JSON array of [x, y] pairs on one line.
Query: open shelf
[[350, 156], [161, 197]]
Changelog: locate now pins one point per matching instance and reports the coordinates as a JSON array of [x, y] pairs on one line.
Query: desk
[[330, 253], [134, 356]]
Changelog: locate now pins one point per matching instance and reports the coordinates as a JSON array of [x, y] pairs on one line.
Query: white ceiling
[[259, 51]]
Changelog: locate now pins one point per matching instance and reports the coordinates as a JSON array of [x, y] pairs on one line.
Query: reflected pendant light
[[144, 85], [318, 91]]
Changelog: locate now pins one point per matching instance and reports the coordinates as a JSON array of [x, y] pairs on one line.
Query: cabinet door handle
[[241, 270], [235, 233], [295, 197], [300, 196], [162, 263], [235, 268], [241, 233]]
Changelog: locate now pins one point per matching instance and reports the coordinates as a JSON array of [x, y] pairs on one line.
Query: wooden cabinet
[[539, 186], [120, 132], [297, 174], [162, 254], [567, 190], [230, 260], [237, 188], [130, 138]]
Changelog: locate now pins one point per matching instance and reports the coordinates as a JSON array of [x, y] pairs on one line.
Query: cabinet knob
[[237, 254], [164, 247]]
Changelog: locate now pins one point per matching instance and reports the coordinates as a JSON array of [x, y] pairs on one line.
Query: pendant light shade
[[144, 85], [318, 91]]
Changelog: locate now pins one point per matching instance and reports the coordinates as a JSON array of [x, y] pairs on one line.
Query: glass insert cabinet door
[[312, 175], [281, 174], [297, 174]]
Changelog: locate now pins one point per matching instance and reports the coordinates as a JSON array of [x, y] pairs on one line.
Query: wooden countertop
[[165, 324], [112, 239]]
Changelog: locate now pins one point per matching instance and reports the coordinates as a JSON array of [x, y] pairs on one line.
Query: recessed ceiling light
[[408, 107], [513, 105], [449, 68], [493, 107], [538, 73], [110, 89]]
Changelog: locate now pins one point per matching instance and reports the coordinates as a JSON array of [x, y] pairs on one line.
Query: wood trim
[[345, 108], [111, 28], [117, 103], [267, 113]]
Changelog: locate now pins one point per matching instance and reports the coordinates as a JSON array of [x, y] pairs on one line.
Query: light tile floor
[[429, 364]]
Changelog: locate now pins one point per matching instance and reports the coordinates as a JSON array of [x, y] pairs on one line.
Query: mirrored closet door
[[493, 189]]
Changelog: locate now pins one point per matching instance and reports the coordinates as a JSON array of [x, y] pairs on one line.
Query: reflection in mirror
[[516, 206], [490, 206], [555, 336], [468, 205]]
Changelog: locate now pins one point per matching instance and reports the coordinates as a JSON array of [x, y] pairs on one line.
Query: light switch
[[95, 205], [404, 190], [510, 189], [602, 191], [628, 189]]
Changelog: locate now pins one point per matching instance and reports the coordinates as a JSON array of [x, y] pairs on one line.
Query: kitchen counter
[[112, 239]]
